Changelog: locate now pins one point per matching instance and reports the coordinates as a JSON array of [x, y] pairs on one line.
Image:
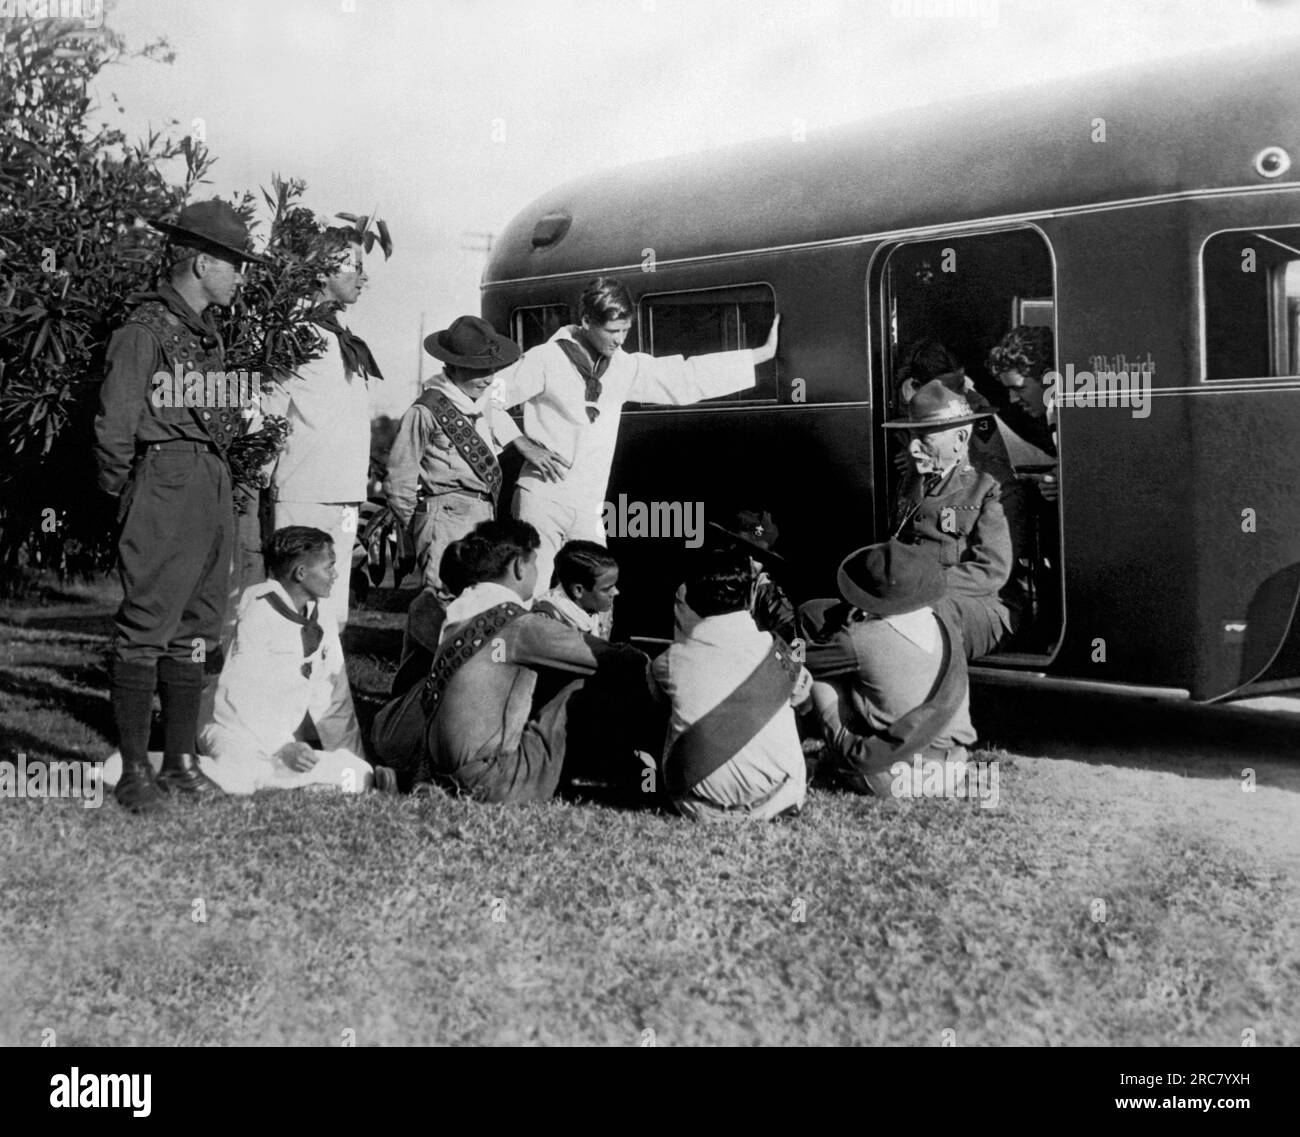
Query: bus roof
[[1189, 123]]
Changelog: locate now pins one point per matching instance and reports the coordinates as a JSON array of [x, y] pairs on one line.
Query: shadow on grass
[[90, 708], [1182, 737]]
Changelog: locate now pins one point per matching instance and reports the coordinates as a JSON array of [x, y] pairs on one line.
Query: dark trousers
[[174, 556]]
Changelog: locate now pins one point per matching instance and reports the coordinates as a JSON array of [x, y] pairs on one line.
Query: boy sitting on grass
[[286, 671], [733, 751], [583, 590]]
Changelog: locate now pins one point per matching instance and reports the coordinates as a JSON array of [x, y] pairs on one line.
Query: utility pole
[[419, 366]]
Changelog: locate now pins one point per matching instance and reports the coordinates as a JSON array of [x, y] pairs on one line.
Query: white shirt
[[327, 455], [263, 696], [554, 398], [719, 654], [478, 598], [580, 618]]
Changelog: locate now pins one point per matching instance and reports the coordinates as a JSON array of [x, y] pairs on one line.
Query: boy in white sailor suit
[[573, 388], [286, 669]]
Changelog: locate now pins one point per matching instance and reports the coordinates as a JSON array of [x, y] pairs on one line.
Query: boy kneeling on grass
[[493, 718], [733, 751], [286, 672]]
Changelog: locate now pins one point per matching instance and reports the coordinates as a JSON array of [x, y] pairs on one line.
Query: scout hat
[[935, 406], [891, 578], [753, 531], [473, 343], [210, 227]]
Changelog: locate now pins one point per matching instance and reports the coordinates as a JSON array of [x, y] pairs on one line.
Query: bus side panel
[[1126, 497], [801, 463]]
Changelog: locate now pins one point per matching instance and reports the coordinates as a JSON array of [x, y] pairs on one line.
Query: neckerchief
[[357, 359], [312, 632], [589, 371], [712, 741], [457, 426]]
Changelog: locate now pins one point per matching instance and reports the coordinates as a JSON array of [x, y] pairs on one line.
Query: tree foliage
[[75, 201]]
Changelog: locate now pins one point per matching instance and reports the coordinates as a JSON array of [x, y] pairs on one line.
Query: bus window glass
[[1251, 284], [531, 326], [717, 319]]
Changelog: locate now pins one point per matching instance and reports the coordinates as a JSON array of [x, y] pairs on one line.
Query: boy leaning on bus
[[573, 388]]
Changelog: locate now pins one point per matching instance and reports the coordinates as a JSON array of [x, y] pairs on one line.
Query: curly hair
[[1027, 350]]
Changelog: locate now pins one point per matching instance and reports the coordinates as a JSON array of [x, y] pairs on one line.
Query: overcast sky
[[451, 115]]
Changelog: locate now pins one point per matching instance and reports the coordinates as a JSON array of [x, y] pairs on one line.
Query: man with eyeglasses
[[573, 388]]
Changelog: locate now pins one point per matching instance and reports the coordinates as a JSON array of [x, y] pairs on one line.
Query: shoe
[[181, 774], [385, 780], [137, 790]]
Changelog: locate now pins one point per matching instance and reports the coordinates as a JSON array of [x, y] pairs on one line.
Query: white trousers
[[556, 520]]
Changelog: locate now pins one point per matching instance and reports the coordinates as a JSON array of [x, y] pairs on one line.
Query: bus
[[1149, 216]]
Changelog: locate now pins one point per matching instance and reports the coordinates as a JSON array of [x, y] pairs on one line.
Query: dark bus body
[[1150, 217]]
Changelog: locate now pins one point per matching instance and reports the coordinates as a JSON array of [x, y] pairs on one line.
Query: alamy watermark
[[90, 12], [935, 777], [177, 388], [680, 520], [83, 780], [1107, 385]]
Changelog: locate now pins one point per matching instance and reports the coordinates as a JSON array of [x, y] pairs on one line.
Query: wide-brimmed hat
[[891, 578], [754, 531], [936, 406], [473, 343], [210, 227]]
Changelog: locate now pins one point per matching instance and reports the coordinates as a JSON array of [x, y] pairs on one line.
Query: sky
[[452, 115]]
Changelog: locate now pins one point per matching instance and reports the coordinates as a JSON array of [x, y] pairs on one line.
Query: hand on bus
[[768, 350], [545, 460]]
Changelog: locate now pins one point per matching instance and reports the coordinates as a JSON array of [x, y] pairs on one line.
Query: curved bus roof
[[1190, 123]]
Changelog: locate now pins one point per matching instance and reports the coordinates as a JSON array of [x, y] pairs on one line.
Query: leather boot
[[181, 774], [132, 699], [180, 686]]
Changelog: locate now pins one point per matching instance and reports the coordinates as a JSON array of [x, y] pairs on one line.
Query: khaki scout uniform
[[958, 517]]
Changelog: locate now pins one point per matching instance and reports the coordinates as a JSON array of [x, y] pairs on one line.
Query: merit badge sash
[[184, 350], [458, 649], [457, 426], [711, 742], [869, 757]]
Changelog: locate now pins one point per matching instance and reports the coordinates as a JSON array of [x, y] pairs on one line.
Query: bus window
[[1251, 282], [531, 326], [715, 319]]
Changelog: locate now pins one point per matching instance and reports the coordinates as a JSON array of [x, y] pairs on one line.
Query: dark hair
[[605, 299], [580, 562], [451, 571], [721, 583], [487, 552], [924, 360], [1024, 349], [289, 545]]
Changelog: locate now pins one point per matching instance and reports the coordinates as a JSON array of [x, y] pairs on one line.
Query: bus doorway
[[955, 299]]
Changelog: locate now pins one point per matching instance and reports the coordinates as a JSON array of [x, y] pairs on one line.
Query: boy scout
[[166, 466]]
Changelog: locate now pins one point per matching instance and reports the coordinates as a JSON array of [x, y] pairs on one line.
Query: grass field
[[1136, 897]]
